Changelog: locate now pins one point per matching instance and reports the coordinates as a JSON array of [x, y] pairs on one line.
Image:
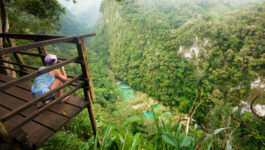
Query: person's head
[[50, 59]]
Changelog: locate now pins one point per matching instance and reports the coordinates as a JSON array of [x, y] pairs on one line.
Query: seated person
[[48, 81]]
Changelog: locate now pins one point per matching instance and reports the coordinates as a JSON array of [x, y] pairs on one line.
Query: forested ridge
[[186, 53], [201, 59]]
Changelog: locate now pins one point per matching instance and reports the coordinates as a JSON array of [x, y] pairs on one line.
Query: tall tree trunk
[[4, 29]]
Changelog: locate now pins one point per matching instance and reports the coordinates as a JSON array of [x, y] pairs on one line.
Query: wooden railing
[[42, 41]]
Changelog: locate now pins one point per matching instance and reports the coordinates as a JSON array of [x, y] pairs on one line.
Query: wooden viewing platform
[[22, 124]]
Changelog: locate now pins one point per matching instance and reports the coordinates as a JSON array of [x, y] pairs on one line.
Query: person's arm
[[62, 76]]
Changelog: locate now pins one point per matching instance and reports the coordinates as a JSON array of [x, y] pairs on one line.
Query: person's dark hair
[[52, 62]]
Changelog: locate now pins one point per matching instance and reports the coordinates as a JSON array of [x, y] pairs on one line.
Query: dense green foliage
[[33, 16], [185, 51], [185, 54]]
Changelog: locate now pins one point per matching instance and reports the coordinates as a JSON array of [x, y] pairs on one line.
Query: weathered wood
[[65, 109], [41, 43], [89, 94], [4, 16], [35, 37], [81, 47], [35, 68], [24, 85], [40, 55], [18, 64], [13, 69], [26, 105], [39, 37], [17, 56], [48, 119], [5, 29], [53, 118], [4, 133], [42, 51], [35, 74], [33, 115]]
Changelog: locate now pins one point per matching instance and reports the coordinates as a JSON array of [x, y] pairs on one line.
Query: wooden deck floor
[[44, 125]]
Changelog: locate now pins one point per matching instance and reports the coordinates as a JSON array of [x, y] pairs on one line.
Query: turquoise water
[[124, 85], [149, 114], [126, 92]]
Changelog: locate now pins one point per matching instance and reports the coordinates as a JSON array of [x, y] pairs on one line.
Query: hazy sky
[[83, 9], [81, 5]]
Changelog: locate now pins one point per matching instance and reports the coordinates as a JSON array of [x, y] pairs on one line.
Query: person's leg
[[57, 83]]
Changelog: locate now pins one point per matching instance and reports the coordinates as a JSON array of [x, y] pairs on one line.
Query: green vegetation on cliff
[[199, 58]]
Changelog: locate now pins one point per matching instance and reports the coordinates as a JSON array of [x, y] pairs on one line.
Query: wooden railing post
[[42, 51], [89, 93], [18, 57]]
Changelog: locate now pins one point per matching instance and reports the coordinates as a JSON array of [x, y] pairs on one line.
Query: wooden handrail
[[42, 43], [35, 74], [31, 67], [16, 70], [18, 64], [30, 117], [26, 105], [40, 55], [38, 37]]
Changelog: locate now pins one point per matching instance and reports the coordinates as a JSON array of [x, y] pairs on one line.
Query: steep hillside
[[190, 53], [174, 50]]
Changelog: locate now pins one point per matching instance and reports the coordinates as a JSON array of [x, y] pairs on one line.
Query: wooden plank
[[3, 111], [65, 109], [41, 43], [52, 120], [77, 101], [9, 101], [37, 134], [48, 118], [19, 93], [33, 115], [24, 85], [35, 100], [35, 74]]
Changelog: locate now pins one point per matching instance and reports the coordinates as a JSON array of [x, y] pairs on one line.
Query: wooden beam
[[13, 69], [42, 51], [35, 37], [18, 57], [34, 68], [40, 55], [89, 93], [41, 43], [35, 74], [81, 48], [38, 37], [26, 105], [33, 115], [27, 66]]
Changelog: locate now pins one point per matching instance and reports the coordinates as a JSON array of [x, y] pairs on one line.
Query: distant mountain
[[71, 26]]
